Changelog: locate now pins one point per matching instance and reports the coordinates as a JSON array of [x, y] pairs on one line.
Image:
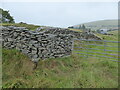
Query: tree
[[83, 26], [71, 27], [80, 27], [5, 17]]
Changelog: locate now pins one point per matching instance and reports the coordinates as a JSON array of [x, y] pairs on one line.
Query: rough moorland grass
[[68, 72], [74, 71]]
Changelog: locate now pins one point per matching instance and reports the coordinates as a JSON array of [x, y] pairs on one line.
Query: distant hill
[[106, 24]]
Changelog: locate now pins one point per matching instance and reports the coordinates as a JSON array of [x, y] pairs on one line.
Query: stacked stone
[[58, 31], [36, 45]]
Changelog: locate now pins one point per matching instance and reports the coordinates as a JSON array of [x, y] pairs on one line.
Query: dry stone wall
[[44, 42], [59, 31], [37, 45]]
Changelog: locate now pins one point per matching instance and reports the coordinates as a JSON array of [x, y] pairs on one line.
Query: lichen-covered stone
[[36, 45]]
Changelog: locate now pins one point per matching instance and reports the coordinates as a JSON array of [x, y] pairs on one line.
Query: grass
[[74, 71], [28, 26], [68, 72], [110, 24], [90, 47], [78, 30]]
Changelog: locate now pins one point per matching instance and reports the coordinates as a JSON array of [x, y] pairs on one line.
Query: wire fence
[[97, 48]]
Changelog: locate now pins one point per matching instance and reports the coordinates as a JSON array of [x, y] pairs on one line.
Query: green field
[[94, 25], [74, 71]]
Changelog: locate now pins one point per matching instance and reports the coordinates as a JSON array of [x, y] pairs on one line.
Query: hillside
[[74, 71], [106, 24]]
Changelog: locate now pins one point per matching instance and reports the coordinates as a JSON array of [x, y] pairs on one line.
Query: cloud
[[62, 14]]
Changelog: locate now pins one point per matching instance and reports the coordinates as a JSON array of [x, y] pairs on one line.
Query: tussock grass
[[74, 71], [68, 72]]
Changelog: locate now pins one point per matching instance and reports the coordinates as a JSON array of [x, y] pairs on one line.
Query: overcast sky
[[61, 14]]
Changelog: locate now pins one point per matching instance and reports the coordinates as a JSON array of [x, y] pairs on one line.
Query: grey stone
[[39, 44]]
